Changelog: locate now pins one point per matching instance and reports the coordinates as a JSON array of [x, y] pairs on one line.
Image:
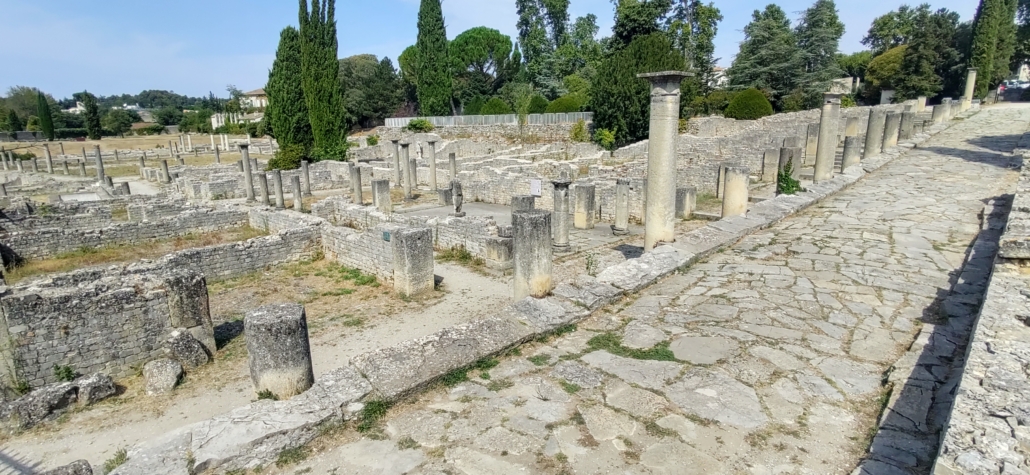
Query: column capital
[[665, 82], [831, 98]]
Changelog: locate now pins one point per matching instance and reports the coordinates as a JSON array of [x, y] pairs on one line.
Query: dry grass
[[86, 257], [72, 147]]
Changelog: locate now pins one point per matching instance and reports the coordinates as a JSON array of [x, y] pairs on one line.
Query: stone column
[[452, 163], [20, 167], [907, 125], [827, 149], [355, 185], [218, 156], [734, 200], [532, 254], [85, 157], [523, 203], [82, 168], [812, 143], [793, 157], [3, 159], [189, 143], [263, 188], [116, 158], [142, 165], [851, 127], [938, 113], [3, 190], [61, 144], [35, 166], [852, 152], [179, 160], [585, 208], [770, 160], [413, 172], [49, 159], [890, 130], [248, 177], [621, 227], [239, 164], [967, 97], [920, 103], [66, 171], [278, 352], [277, 184], [381, 196], [298, 200], [125, 188], [397, 163], [431, 156], [413, 261], [404, 171], [686, 200], [182, 143], [560, 219], [212, 137], [165, 175], [660, 214], [874, 133], [305, 177], [100, 165]]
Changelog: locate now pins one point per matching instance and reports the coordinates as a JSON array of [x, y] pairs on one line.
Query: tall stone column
[[100, 165], [874, 133], [851, 127], [66, 171], [277, 183], [263, 188], [82, 168], [212, 137], [621, 227], [734, 200], [967, 97], [404, 172], [306, 177], [298, 200], [852, 152], [248, 177], [827, 150], [660, 221], [431, 155], [452, 164], [890, 130], [532, 254], [218, 156], [49, 159], [189, 143], [142, 165], [585, 208], [355, 185], [381, 196], [397, 163], [560, 219], [165, 175]]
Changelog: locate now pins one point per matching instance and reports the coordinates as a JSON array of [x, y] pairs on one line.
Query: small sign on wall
[[535, 188]]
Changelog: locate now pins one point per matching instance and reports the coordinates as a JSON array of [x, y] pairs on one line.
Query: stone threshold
[[255, 434]]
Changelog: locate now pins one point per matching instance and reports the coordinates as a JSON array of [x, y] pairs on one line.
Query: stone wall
[[226, 181], [495, 133]]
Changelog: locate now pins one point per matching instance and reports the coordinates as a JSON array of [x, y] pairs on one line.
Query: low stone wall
[[217, 182], [490, 133]]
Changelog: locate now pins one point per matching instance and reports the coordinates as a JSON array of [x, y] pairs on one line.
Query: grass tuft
[[612, 343], [116, 460]]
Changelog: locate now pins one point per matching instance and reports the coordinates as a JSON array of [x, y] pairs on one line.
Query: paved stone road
[[773, 351]]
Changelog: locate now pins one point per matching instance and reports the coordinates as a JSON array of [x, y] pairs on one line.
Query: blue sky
[[195, 46]]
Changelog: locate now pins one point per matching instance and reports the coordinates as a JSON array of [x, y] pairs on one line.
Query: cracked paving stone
[[703, 350], [716, 396]]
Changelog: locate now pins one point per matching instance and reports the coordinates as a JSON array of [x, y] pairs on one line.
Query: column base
[[561, 248], [457, 215], [619, 232]]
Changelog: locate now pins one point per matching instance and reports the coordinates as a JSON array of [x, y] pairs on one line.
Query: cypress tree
[[13, 122], [994, 42], [46, 120], [92, 113], [622, 101], [287, 110], [320, 78], [434, 72]]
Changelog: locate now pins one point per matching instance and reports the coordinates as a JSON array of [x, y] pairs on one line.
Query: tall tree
[[818, 39], [557, 12], [635, 18], [287, 110], [92, 114], [320, 72], [480, 57], [621, 101], [993, 42], [46, 120], [434, 66], [769, 57], [693, 26], [119, 121], [894, 28], [930, 55], [13, 121]]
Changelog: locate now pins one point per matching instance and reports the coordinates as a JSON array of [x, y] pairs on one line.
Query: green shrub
[[793, 102], [64, 373], [116, 460], [749, 105], [373, 140], [333, 152], [847, 100], [495, 106], [420, 125], [474, 106], [566, 103], [287, 158], [785, 183], [579, 132], [605, 138], [538, 104]]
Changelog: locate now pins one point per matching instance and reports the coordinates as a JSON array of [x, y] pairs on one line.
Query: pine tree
[[46, 120], [320, 72], [92, 114], [818, 37], [13, 122], [434, 67], [622, 101], [769, 57], [287, 111]]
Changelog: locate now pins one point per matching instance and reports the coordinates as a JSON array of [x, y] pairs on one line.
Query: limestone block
[[185, 349], [188, 306], [161, 376], [278, 352], [94, 388], [78, 467], [413, 261]]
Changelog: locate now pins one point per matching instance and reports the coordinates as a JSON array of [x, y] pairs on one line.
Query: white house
[[256, 98]]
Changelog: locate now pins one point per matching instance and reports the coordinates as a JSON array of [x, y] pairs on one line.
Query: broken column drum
[[686, 199], [827, 149], [381, 196], [967, 97], [523, 203], [49, 159], [852, 152], [532, 254], [907, 127], [278, 351], [585, 209], [459, 198], [560, 219], [874, 133], [621, 227], [890, 130], [248, 178], [734, 200], [263, 188], [355, 185], [277, 183], [660, 211]]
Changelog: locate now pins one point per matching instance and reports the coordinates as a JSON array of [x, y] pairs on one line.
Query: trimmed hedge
[[495, 106], [565, 104], [750, 104], [538, 104]]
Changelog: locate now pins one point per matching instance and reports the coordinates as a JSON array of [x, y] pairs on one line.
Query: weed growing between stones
[[460, 375], [371, 414], [539, 360], [656, 430], [570, 387], [64, 373], [407, 443], [266, 394], [499, 385], [292, 456], [461, 256], [612, 343], [115, 461], [785, 182]]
